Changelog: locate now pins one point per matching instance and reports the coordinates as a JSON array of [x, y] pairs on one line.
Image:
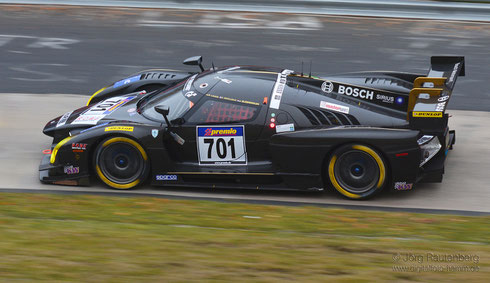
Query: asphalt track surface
[[48, 52]]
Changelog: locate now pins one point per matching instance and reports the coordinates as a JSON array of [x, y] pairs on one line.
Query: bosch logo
[[327, 86], [356, 92]]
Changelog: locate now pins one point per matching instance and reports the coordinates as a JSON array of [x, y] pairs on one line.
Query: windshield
[[173, 98]]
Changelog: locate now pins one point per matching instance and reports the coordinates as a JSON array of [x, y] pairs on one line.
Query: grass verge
[[117, 239]]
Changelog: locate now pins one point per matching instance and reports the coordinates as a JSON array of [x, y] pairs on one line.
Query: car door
[[218, 134]]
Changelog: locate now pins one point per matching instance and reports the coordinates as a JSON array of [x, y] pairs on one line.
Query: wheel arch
[[384, 158], [95, 146], [314, 147]]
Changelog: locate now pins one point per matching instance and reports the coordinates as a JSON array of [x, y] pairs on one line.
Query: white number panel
[[221, 145]]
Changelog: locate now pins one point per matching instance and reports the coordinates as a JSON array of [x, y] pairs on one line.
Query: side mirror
[[164, 110], [194, 61]]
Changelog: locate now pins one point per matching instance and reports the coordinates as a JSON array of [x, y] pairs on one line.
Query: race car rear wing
[[430, 95]]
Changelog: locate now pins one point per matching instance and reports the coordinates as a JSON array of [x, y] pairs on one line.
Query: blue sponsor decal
[[127, 81], [166, 177], [118, 104], [220, 131], [399, 100]]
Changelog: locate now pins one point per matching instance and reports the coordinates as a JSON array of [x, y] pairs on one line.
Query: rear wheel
[[121, 163], [356, 171]]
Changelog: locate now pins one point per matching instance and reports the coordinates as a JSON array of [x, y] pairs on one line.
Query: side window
[[215, 112]]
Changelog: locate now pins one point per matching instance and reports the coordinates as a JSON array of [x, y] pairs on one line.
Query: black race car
[[256, 127]]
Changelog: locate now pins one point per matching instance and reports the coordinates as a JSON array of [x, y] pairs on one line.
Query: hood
[[119, 108]]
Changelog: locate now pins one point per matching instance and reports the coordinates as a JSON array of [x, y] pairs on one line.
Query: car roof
[[246, 84]]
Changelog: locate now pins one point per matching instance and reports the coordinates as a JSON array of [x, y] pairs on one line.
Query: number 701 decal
[[221, 145]]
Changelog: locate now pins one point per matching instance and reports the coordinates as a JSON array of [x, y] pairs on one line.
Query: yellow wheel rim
[[111, 183], [372, 153]]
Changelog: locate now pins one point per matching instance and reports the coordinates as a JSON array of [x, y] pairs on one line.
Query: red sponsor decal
[[78, 147]]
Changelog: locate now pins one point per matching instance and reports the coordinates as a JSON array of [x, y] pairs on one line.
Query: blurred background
[[78, 49]]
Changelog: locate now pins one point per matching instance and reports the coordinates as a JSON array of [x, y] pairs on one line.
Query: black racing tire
[[356, 171], [121, 163]]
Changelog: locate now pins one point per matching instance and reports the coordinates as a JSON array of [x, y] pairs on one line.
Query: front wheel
[[356, 171], [121, 163]]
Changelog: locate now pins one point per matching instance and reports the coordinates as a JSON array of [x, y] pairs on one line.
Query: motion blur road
[[48, 52]]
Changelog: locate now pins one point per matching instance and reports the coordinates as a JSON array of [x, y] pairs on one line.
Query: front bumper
[[56, 174]]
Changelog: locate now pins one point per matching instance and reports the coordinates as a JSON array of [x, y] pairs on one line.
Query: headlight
[[430, 146]]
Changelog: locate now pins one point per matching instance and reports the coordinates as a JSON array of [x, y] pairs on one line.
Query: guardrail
[[381, 8]]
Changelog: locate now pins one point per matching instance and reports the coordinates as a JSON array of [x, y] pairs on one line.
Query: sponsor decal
[[403, 186], [166, 177], [334, 107], [47, 151], [63, 119], [226, 81], [131, 110], [190, 94], [440, 106], [78, 147], [154, 133], [356, 92], [212, 132], [285, 128], [127, 81], [117, 104], [385, 98], [232, 99], [327, 86], [400, 100], [443, 98], [119, 128], [102, 109], [189, 82], [221, 145], [88, 119], [71, 170], [427, 114], [453, 74], [203, 85], [442, 103], [279, 88]]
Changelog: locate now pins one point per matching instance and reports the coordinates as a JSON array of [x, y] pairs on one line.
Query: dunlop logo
[[119, 128], [427, 114]]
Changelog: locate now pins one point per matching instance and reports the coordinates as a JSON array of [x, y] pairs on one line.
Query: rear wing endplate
[[427, 101]]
